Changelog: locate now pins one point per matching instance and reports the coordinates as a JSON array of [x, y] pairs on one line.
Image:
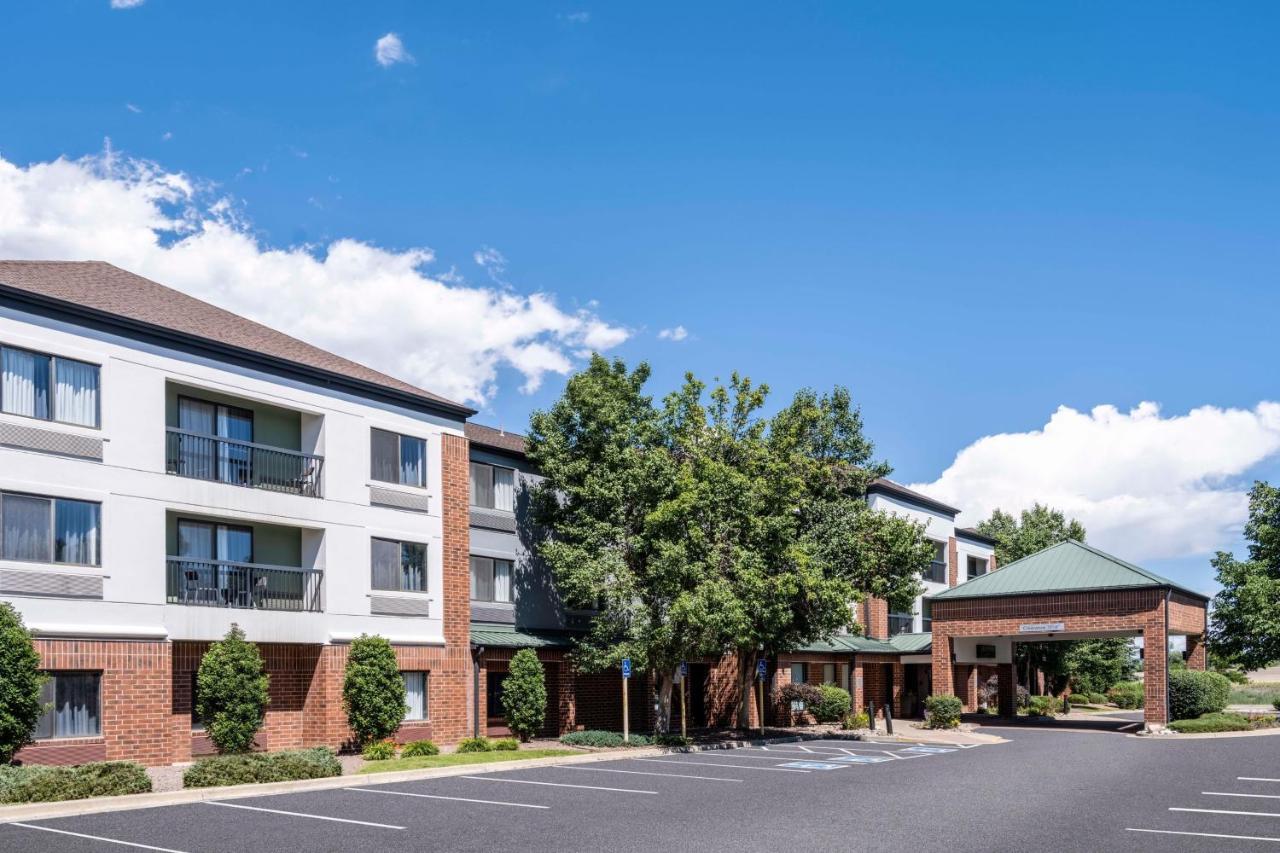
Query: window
[[195, 452], [398, 458], [48, 387], [399, 566], [828, 673], [415, 695], [494, 683], [937, 571], [490, 579], [901, 623], [493, 487], [49, 530], [984, 652], [74, 709], [977, 566], [799, 673], [844, 677]]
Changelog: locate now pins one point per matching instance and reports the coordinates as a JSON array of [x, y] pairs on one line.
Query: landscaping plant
[[372, 689], [20, 681], [1127, 695], [800, 691], [1193, 693], [379, 750], [475, 744], [316, 763], [524, 695], [506, 744], [231, 692], [858, 720], [43, 784], [832, 705], [1212, 723], [943, 711], [602, 739], [419, 748], [1042, 706]]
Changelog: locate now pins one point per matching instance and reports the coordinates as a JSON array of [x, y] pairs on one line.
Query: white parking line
[[1234, 794], [439, 797], [1255, 779], [1225, 811], [96, 838], [713, 764], [1206, 834], [648, 773], [555, 784], [301, 814]]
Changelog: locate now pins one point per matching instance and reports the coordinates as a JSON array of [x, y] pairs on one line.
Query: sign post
[[684, 714], [626, 722], [762, 667]]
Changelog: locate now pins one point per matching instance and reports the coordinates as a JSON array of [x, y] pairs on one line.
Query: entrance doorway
[[916, 687]]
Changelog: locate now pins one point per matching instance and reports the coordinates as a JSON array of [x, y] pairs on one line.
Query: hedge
[[1127, 695], [1043, 706], [1212, 723], [597, 738], [36, 783], [1194, 693], [944, 711], [247, 768]]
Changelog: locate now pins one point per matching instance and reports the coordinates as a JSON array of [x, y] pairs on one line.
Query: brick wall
[[875, 618], [953, 562]]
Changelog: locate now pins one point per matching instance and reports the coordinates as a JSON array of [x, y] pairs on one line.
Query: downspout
[[476, 652]]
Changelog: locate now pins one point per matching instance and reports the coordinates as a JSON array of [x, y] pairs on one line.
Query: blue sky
[[971, 215]]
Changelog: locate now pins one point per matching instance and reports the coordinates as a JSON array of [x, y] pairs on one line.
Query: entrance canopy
[[1069, 591]]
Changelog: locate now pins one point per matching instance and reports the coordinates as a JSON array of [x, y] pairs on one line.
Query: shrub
[[1193, 693], [1127, 695], [1097, 698], [858, 720], [602, 739], [41, 784], [20, 687], [475, 744], [1022, 696], [799, 691], [231, 692], [672, 740], [943, 711], [1212, 723], [833, 705], [1043, 706], [379, 750], [372, 689], [419, 748], [506, 744], [248, 768], [1276, 704], [524, 695]]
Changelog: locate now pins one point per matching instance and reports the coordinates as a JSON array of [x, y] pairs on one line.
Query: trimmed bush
[[601, 739], [524, 695], [1127, 695], [1212, 723], [1193, 693], [1043, 706], [379, 750], [36, 783], [419, 748], [372, 689], [833, 705], [1097, 698], [506, 744], [248, 768], [672, 740], [475, 744], [858, 720], [943, 711], [20, 685], [231, 692], [799, 691]]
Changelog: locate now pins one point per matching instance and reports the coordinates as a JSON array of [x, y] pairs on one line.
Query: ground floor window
[[73, 705], [496, 681], [828, 673], [415, 695], [844, 677], [799, 673]]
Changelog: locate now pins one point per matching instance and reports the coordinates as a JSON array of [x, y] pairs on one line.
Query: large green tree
[[1034, 530], [20, 682], [1246, 612], [232, 691]]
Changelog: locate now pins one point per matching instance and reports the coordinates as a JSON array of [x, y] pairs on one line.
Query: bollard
[[888, 719], [871, 715]]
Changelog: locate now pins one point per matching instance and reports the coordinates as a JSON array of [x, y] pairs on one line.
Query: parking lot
[[1081, 790]]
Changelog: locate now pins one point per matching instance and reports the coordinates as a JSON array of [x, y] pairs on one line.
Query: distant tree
[[524, 695], [373, 689], [1095, 665], [20, 682], [1036, 529], [1246, 612], [232, 692]]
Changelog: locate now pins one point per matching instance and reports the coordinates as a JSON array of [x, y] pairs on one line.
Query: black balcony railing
[[900, 623], [937, 572], [221, 583], [242, 463]]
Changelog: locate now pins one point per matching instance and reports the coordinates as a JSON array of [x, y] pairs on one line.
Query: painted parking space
[[1240, 813]]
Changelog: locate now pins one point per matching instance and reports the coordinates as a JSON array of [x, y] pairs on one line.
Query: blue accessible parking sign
[[626, 667]]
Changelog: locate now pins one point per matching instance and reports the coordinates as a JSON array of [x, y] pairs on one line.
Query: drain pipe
[[476, 652]]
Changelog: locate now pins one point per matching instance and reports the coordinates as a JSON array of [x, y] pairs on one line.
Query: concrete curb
[[1171, 735]]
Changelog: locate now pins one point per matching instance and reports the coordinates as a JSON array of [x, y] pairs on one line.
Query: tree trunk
[[662, 715]]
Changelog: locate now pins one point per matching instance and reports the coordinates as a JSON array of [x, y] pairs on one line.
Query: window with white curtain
[[828, 673], [399, 566], [47, 387], [72, 703], [844, 677], [415, 695], [493, 487], [50, 530], [799, 673], [396, 458], [491, 579]]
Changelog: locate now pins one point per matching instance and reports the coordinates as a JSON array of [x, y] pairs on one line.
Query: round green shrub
[[506, 744], [1043, 706], [372, 689], [524, 695], [475, 744], [1127, 695], [20, 685], [1097, 698], [231, 692], [418, 749], [833, 704], [943, 711], [1194, 692], [799, 691], [379, 750]]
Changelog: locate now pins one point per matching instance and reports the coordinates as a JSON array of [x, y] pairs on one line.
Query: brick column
[[969, 691], [953, 563], [1007, 690], [899, 679], [568, 697], [857, 685], [1196, 657], [1155, 667], [876, 618], [943, 675], [452, 685]]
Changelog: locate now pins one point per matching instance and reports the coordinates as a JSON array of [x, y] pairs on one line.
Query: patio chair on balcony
[[259, 597], [194, 593]]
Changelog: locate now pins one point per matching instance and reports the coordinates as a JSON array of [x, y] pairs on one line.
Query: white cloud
[[679, 333], [374, 305], [166, 136], [133, 108], [126, 4], [1145, 486], [389, 50], [576, 17]]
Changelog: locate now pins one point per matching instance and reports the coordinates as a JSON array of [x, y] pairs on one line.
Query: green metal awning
[[1066, 567], [849, 645], [508, 637], [912, 644]]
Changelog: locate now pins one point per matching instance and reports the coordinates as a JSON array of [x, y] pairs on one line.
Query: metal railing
[[937, 572], [222, 583], [242, 463], [900, 623]]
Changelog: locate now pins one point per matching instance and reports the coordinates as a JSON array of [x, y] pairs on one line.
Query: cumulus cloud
[[576, 17], [126, 4], [389, 50], [374, 305], [679, 333], [1144, 485]]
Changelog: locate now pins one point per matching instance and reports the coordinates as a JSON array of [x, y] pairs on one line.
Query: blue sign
[[684, 669], [762, 667], [626, 667]]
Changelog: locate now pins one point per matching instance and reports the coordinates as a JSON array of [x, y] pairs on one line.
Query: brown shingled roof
[[496, 439], [102, 287]]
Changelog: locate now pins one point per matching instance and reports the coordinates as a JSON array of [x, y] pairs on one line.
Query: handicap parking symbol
[[927, 750], [811, 765], [863, 759]]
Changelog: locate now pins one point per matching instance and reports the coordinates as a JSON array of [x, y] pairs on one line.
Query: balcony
[[242, 463], [900, 623], [246, 586], [936, 573]]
